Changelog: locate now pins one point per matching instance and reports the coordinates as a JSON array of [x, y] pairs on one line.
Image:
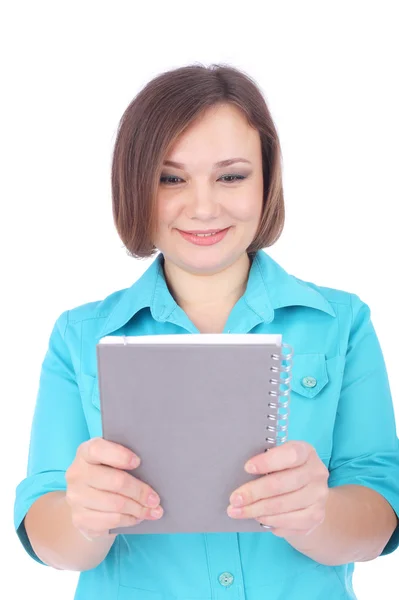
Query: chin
[[202, 263]]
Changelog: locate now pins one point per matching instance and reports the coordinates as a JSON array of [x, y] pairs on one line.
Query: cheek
[[247, 209], [246, 204], [167, 210]]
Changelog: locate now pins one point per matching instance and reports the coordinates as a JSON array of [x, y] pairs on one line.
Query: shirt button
[[309, 382], [226, 579]]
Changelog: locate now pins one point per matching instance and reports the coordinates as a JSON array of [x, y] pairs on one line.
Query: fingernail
[[153, 500], [235, 512], [251, 468], [156, 512], [237, 500], [302, 452], [134, 462]]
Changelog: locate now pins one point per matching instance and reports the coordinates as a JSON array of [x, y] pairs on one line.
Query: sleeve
[[365, 445], [58, 428]]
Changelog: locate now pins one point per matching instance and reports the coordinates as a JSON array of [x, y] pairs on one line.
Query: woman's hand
[[292, 494], [101, 494]]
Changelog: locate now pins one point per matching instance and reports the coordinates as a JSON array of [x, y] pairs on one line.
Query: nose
[[202, 202]]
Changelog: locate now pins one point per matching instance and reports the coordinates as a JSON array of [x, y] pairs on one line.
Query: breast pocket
[[315, 388]]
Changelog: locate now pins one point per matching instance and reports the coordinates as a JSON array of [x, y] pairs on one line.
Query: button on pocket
[[309, 382], [309, 374]]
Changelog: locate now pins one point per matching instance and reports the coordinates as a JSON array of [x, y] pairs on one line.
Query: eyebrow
[[221, 163]]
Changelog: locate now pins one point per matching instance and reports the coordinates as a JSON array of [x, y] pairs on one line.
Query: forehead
[[219, 133]]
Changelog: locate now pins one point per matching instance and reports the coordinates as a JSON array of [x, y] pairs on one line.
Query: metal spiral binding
[[285, 381], [281, 424]]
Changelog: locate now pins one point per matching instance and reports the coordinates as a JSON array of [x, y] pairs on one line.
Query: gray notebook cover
[[194, 413]]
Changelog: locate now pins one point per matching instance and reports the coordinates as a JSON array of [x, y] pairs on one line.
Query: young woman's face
[[199, 196]]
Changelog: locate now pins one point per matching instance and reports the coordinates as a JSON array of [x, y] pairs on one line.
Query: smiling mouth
[[207, 233]]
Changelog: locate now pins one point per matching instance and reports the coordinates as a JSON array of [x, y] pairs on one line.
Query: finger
[[275, 484], [288, 455], [98, 451], [99, 523], [299, 520], [100, 500], [109, 479], [284, 503]]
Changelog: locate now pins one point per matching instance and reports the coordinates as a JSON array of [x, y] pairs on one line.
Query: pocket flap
[[95, 396], [309, 374], [90, 387]]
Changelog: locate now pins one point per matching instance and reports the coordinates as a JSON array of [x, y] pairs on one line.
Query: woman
[[197, 175]]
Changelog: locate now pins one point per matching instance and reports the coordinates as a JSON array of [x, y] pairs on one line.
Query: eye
[[167, 179], [174, 180], [235, 178]]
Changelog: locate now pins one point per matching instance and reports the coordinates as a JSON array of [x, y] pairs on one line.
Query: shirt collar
[[269, 287]]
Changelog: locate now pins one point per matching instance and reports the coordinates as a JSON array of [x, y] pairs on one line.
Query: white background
[[69, 69]]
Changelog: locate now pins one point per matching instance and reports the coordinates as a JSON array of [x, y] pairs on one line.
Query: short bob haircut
[[154, 119]]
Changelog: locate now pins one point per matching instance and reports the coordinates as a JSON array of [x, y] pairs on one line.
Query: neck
[[195, 292]]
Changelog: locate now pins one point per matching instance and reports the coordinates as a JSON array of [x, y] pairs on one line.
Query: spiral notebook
[[195, 408]]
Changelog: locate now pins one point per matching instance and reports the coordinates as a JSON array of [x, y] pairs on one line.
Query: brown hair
[[159, 113]]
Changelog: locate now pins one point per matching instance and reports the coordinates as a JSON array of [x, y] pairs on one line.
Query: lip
[[205, 240], [203, 231]]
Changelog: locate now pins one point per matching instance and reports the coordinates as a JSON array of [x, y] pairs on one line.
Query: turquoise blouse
[[340, 403]]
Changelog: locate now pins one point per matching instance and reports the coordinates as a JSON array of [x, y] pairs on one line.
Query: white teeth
[[204, 234]]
